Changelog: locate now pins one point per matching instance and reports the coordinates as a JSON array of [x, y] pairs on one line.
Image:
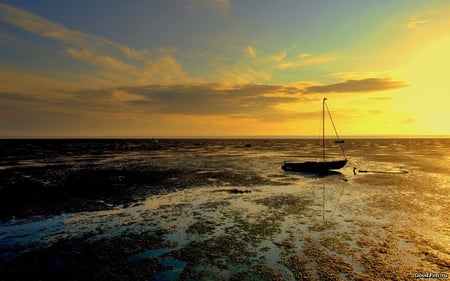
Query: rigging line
[[332, 122], [335, 131]]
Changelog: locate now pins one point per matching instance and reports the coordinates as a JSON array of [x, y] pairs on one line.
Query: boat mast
[[323, 129]]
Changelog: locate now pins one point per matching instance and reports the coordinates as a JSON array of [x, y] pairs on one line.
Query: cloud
[[16, 97], [164, 70], [304, 55], [250, 51], [213, 98], [360, 86], [304, 59], [241, 75], [261, 101], [100, 60], [156, 104], [278, 58], [32, 84], [349, 75], [248, 101], [115, 59], [414, 22], [45, 28]]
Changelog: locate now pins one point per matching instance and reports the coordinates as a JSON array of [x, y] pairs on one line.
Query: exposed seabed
[[319, 228]]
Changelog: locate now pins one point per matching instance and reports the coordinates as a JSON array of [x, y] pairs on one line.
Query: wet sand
[[56, 189], [206, 218], [331, 228]]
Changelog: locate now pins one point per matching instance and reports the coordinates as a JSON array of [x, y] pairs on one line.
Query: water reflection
[[314, 175]]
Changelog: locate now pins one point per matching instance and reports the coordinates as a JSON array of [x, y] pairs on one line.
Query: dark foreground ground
[[220, 212], [56, 189], [49, 177], [27, 192]]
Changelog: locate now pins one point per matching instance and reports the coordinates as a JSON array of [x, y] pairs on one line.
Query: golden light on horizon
[[428, 98]]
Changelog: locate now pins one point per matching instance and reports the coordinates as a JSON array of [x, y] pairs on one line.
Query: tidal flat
[[240, 224], [290, 232]]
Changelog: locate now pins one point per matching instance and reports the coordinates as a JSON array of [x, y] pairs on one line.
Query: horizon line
[[227, 137]]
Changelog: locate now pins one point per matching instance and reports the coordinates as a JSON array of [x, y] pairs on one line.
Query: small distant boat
[[323, 165]]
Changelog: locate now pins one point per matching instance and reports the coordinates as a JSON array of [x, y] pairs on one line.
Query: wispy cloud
[[213, 98], [208, 99], [16, 97], [278, 58], [415, 21], [115, 108], [282, 60], [357, 75], [241, 74], [357, 86], [41, 26], [32, 84], [250, 51], [303, 59], [100, 60], [98, 51], [164, 70], [262, 101]]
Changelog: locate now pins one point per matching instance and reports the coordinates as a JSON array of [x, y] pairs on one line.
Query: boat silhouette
[[323, 164]]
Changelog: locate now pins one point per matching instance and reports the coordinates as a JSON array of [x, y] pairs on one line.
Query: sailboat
[[324, 164]]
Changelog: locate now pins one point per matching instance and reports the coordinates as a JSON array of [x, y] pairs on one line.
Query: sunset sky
[[140, 68]]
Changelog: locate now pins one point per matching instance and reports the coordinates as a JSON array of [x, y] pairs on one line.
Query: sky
[[194, 68]]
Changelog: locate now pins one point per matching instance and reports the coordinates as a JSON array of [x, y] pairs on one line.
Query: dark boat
[[314, 166], [323, 165]]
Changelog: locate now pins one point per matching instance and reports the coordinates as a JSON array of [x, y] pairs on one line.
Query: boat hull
[[313, 167]]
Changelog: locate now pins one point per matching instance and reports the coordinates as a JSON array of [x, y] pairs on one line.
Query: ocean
[[223, 209]]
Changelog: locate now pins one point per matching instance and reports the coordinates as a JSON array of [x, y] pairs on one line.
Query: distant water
[[389, 204], [261, 156]]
